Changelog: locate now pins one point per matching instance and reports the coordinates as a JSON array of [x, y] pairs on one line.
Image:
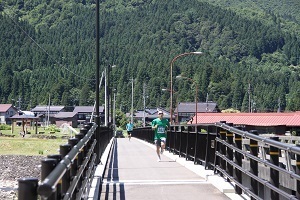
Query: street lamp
[[171, 75], [166, 89], [107, 93], [196, 93], [114, 110]]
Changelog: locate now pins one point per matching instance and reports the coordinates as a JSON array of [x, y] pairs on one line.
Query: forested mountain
[[47, 49]]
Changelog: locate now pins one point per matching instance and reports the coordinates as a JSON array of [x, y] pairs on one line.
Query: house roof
[[65, 115], [190, 107], [87, 109], [45, 108], [18, 116], [149, 113], [255, 119], [5, 107]]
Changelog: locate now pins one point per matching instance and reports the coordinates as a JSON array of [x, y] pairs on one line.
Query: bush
[[5, 127], [52, 128]]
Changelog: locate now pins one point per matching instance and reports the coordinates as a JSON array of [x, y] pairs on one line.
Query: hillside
[[141, 38], [265, 10]]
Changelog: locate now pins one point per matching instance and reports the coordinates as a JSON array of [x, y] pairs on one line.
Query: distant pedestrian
[[160, 126], [129, 128]]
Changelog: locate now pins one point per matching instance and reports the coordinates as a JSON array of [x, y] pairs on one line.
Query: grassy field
[[31, 144]]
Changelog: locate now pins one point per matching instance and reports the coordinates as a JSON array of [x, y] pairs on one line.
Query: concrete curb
[[98, 176], [217, 181]]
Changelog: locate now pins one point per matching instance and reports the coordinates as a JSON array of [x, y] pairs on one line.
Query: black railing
[[68, 175], [258, 166]]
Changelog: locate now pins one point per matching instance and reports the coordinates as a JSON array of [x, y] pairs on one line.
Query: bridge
[[219, 161]]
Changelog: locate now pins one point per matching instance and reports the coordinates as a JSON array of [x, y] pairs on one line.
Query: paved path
[[133, 173]]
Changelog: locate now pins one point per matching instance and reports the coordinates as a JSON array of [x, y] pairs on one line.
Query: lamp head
[[198, 52]]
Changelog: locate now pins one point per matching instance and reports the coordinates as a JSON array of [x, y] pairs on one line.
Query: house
[[7, 111], [186, 110], [70, 118], [149, 114], [46, 113], [84, 113]]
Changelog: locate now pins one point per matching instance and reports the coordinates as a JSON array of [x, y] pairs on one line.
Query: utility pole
[[144, 98], [48, 112], [105, 99], [19, 103], [132, 100], [114, 110], [249, 93]]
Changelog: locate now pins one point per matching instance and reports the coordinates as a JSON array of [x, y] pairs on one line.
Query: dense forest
[[251, 51]]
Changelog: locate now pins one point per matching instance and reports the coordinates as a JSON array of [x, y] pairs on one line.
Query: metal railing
[[68, 175], [260, 167]]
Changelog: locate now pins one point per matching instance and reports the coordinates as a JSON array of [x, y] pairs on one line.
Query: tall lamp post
[[196, 93], [166, 89], [171, 77], [107, 93]]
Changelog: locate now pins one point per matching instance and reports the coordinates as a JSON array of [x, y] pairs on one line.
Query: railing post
[[222, 147], [210, 153], [28, 189], [180, 140], [298, 172], [238, 160], [84, 132], [274, 174], [174, 132], [254, 164], [196, 144], [187, 143], [64, 150], [48, 164], [79, 136], [58, 158], [229, 152], [74, 166]]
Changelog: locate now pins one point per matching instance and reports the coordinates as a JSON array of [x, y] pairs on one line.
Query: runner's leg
[[158, 146]]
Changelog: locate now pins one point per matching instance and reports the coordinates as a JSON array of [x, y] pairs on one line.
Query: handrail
[[47, 187], [69, 174], [221, 148]]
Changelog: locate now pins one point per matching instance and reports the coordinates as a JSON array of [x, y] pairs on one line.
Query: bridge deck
[[133, 173]]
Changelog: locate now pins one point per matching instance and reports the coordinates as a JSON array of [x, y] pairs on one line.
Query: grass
[[30, 144]]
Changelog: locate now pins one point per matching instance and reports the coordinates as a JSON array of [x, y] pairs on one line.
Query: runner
[[160, 126]]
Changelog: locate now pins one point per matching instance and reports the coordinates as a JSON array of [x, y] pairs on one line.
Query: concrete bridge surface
[[133, 173]]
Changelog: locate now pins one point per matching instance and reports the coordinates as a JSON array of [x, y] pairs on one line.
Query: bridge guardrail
[[256, 168], [68, 175]]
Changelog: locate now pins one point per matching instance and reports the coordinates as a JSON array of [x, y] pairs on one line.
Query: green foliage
[[244, 42], [52, 128], [5, 127]]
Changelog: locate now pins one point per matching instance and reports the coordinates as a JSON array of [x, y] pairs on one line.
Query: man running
[[160, 126], [129, 128]]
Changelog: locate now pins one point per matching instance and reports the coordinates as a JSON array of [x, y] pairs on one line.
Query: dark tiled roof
[[190, 107], [65, 115], [87, 109], [45, 108]]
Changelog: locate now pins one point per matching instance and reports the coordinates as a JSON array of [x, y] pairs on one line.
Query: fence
[[68, 175], [260, 167]]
